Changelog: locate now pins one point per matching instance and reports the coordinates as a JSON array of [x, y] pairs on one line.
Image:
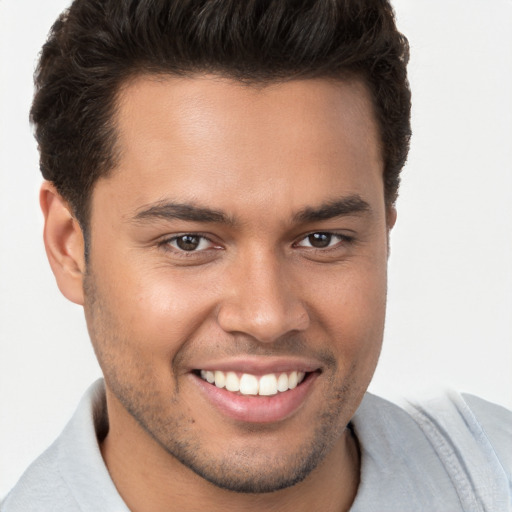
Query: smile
[[249, 384], [257, 390]]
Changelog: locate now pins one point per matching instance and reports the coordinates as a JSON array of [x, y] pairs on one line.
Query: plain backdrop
[[450, 296]]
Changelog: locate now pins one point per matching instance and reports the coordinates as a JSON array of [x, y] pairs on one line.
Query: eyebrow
[[178, 211], [351, 205], [168, 210]]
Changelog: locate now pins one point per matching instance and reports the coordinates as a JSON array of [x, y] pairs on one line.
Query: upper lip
[[260, 365]]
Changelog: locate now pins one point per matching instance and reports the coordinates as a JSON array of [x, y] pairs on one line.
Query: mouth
[[248, 384], [260, 397]]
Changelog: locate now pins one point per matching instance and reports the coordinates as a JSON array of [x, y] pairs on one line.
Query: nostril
[[264, 321]]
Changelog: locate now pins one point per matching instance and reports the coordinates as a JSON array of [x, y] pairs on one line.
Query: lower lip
[[257, 409]]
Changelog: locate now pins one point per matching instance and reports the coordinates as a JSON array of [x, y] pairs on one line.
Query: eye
[[321, 240], [189, 243]]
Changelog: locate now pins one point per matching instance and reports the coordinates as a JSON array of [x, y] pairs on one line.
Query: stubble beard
[[238, 470]]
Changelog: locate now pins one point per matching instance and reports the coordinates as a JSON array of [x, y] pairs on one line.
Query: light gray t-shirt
[[448, 455]]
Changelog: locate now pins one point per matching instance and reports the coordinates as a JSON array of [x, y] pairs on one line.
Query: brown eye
[[324, 240], [319, 240], [194, 247], [188, 242]]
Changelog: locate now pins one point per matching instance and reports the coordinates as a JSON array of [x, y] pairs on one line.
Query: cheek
[[351, 307], [154, 308]]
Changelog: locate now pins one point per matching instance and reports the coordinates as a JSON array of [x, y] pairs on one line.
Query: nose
[[262, 300]]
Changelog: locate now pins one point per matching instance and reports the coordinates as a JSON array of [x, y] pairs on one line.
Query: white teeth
[[220, 379], [282, 382], [268, 385], [248, 384], [232, 382]]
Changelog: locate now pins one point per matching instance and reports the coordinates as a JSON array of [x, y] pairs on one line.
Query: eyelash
[[342, 239], [166, 244]]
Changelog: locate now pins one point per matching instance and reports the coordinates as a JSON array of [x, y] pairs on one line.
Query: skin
[[269, 160]]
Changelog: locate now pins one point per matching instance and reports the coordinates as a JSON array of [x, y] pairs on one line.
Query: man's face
[[243, 237]]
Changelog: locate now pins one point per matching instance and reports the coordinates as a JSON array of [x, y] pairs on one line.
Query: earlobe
[[391, 215], [64, 243]]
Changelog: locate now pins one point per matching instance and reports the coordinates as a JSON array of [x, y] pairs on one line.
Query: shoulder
[[473, 437], [468, 423], [446, 454], [452, 417], [70, 475], [496, 424], [41, 487]]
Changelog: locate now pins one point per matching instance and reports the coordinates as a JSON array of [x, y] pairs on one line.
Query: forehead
[[197, 138], [204, 107]]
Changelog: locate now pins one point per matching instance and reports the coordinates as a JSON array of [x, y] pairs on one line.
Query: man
[[220, 186]]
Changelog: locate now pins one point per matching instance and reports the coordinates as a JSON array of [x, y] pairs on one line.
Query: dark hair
[[97, 45]]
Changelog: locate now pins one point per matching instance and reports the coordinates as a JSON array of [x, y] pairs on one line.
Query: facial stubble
[[243, 470]]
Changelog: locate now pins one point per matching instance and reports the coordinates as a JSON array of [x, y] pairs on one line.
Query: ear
[[64, 243], [391, 216]]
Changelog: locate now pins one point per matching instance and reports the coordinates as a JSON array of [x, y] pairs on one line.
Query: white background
[[450, 298]]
